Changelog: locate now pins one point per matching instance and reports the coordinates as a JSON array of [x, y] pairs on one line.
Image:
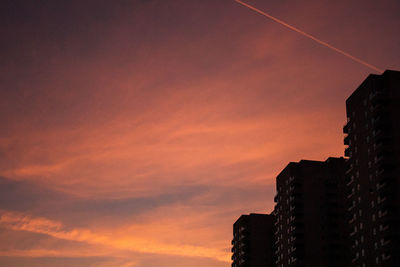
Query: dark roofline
[[307, 161], [370, 78]]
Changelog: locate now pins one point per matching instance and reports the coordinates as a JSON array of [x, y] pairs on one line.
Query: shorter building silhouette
[[252, 243], [311, 228]]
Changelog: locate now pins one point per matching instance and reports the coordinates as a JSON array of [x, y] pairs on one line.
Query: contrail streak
[[311, 37]]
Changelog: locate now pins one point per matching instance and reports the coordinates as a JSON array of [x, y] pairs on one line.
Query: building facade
[[373, 171], [310, 227], [252, 244]]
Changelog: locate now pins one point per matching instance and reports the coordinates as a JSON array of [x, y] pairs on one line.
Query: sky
[[135, 133]]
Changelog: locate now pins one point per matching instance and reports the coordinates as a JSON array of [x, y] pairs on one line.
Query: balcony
[[374, 94], [382, 213], [379, 186], [381, 200], [350, 195], [380, 110], [346, 128], [351, 180], [347, 152], [349, 169], [351, 207], [295, 189], [346, 140], [380, 172], [384, 242], [378, 96], [383, 228]]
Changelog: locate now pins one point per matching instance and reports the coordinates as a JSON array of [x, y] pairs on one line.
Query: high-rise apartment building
[[252, 244], [310, 227], [373, 172]]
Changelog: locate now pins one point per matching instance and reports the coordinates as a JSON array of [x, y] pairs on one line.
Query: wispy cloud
[[22, 222]]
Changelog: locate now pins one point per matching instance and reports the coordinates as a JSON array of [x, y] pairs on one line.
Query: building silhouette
[[252, 244], [340, 212], [373, 172], [310, 227]]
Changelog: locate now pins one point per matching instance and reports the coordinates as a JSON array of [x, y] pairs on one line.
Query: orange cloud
[[21, 222]]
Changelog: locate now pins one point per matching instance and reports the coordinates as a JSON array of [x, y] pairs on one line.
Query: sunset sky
[[134, 133]]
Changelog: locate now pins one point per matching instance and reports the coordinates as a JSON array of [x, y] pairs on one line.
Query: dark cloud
[[26, 195], [33, 198]]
